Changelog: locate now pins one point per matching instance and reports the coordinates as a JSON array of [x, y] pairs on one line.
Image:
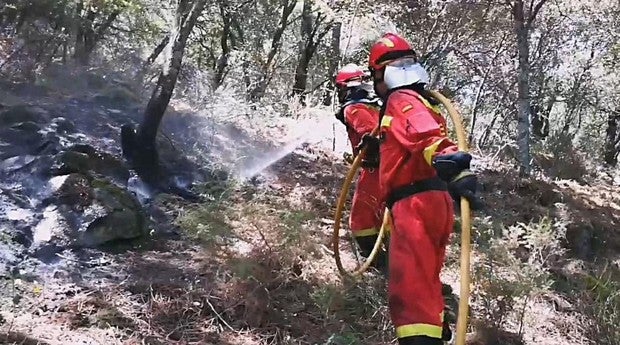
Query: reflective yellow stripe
[[386, 121], [365, 232], [430, 150], [407, 108], [418, 329], [354, 111], [429, 105]]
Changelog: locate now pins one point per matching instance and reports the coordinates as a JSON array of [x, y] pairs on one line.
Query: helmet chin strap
[[405, 75]]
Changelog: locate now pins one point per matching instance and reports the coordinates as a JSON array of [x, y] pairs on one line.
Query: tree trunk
[[305, 50], [333, 63], [261, 86], [89, 34], [222, 61], [186, 16], [612, 139], [524, 103], [158, 50]]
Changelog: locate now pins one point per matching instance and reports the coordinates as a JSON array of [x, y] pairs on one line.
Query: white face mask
[[404, 72], [368, 87]]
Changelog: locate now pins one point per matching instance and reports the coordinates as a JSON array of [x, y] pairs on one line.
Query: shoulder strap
[[435, 108], [375, 102]]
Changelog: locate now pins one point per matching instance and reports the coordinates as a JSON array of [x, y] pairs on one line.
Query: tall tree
[[143, 150], [333, 63], [313, 30], [523, 17], [612, 138], [94, 21], [267, 66]]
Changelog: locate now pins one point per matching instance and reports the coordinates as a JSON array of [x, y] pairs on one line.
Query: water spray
[[312, 133]]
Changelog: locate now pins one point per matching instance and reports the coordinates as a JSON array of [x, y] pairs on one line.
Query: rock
[[68, 162], [86, 212], [86, 160], [22, 138], [22, 113], [63, 126], [114, 215], [117, 95], [16, 163]]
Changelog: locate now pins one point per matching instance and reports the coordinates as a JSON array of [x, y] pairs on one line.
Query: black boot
[[366, 244], [446, 332], [451, 305], [419, 340]]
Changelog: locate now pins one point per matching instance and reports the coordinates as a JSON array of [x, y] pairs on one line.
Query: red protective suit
[[412, 132], [366, 210]]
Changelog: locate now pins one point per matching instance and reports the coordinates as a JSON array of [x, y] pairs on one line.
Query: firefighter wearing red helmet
[[420, 173], [359, 112]]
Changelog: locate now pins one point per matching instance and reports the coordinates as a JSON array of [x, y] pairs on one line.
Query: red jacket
[[412, 133], [361, 119]]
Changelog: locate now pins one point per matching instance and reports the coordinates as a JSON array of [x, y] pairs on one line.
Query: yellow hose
[[461, 326], [338, 218]]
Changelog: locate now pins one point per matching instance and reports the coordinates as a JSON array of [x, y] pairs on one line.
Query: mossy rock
[[114, 215], [85, 159], [94, 212]]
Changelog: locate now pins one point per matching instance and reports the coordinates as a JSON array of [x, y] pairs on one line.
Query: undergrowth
[[601, 302], [512, 267]]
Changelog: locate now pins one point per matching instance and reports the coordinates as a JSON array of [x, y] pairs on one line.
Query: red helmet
[[387, 48], [350, 75]]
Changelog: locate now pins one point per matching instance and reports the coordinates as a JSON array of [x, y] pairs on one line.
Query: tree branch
[[534, 13]]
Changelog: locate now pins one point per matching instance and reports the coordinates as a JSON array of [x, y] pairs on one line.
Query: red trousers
[[366, 211], [422, 226]]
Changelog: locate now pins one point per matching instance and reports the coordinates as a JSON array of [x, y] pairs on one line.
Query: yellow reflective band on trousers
[[417, 329], [386, 121], [365, 232], [430, 150]]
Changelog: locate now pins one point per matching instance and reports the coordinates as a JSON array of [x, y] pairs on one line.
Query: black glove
[[454, 169], [371, 143], [348, 158]]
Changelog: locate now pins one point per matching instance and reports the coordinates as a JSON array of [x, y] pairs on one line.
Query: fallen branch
[[219, 316]]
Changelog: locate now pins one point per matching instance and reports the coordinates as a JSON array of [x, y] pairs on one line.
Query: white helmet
[[405, 71]]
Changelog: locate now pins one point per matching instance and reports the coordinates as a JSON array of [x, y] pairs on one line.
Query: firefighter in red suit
[[359, 112], [421, 172]]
